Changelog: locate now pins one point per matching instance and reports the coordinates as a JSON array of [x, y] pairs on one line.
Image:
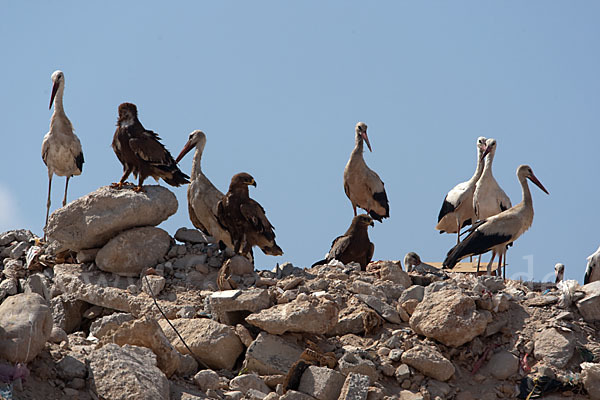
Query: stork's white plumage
[[362, 185], [61, 149], [202, 195], [499, 230], [559, 272], [488, 198], [457, 209], [592, 271]]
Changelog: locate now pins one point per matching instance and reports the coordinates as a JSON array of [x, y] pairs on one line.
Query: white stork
[[202, 195], [489, 199], [61, 149], [499, 230], [559, 272], [592, 271], [362, 185], [457, 208]]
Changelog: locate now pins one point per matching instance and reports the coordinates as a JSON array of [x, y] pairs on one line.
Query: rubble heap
[[70, 328]]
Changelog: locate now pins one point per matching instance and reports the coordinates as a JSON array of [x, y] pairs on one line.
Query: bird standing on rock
[[141, 152], [457, 209], [245, 219], [362, 185], [61, 149], [202, 195], [354, 245], [499, 230]]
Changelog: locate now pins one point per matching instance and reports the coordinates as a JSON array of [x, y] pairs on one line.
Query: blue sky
[[278, 88]]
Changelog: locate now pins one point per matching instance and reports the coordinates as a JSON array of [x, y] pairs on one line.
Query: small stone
[[356, 387], [190, 236], [243, 383], [58, 335], [429, 361], [321, 382], [207, 379], [402, 372], [153, 284], [395, 355]]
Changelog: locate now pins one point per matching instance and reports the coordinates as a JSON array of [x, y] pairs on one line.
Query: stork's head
[[127, 114], [196, 139], [410, 260], [58, 80], [559, 272], [241, 180], [363, 220], [361, 132], [481, 144], [490, 148], [525, 172]]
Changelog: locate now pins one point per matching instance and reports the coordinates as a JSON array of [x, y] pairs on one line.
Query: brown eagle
[[141, 152], [245, 219], [354, 245]]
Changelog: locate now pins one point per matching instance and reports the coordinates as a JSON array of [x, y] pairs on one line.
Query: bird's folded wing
[[255, 214], [338, 246], [149, 149]]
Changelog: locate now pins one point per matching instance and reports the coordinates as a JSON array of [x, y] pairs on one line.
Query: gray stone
[[70, 367], [187, 367], [502, 365], [314, 315], [357, 362], [19, 250], [492, 283], [94, 219], [152, 285], [243, 383], [271, 355], [25, 326], [58, 335], [87, 255], [67, 312], [554, 347], [589, 305], [385, 310], [215, 344], [207, 379], [294, 395], [99, 288], [232, 306], [253, 394], [38, 283], [395, 355], [131, 251], [322, 383], [356, 387], [449, 317], [429, 362], [590, 375], [438, 390], [18, 235], [233, 395], [8, 287], [128, 372], [402, 372], [239, 265], [414, 292], [191, 236]]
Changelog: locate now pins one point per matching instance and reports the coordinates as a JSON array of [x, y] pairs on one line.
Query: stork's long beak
[[535, 180], [54, 90], [186, 149], [366, 139], [486, 152]]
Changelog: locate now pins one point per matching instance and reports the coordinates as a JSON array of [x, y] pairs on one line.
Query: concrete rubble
[[83, 324]]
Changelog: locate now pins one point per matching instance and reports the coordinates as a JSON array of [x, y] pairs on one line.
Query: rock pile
[[86, 326]]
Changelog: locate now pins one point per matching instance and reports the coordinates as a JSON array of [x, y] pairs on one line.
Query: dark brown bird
[[141, 152], [354, 245], [245, 219]]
